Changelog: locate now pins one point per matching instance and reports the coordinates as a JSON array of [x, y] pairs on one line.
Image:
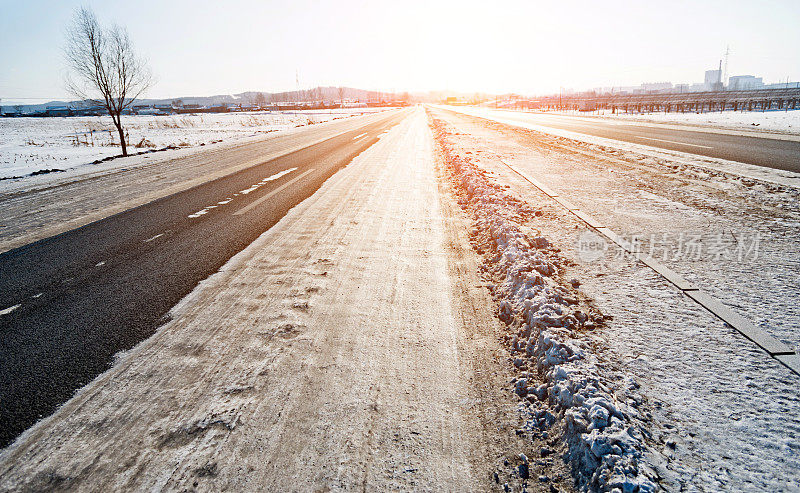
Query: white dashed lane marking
[[246, 191], [272, 193], [9, 309]]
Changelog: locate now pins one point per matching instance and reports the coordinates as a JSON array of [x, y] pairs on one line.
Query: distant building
[[744, 82], [713, 80], [656, 86], [59, 110], [91, 111], [783, 85]]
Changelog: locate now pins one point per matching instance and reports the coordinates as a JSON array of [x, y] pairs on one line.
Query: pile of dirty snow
[[572, 397]]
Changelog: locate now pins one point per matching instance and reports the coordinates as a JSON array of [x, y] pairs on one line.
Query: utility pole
[[727, 56], [297, 84]]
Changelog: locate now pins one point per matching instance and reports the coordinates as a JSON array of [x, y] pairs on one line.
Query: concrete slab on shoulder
[[566, 203], [790, 361], [587, 218], [544, 188], [773, 346], [741, 324], [614, 237], [541, 186], [669, 274]]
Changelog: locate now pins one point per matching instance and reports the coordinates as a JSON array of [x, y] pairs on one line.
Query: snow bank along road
[[776, 152], [728, 413], [71, 301], [350, 347]]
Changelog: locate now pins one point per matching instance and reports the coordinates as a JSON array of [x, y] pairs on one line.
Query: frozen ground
[[728, 412], [33, 144]]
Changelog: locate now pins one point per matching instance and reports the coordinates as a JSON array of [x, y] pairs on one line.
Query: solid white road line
[[272, 193], [359, 136], [675, 142]]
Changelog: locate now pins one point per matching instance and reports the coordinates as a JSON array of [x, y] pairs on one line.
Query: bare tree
[[107, 70], [341, 97]]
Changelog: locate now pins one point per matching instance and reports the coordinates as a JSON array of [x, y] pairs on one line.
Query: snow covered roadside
[[778, 121], [708, 164], [336, 352], [726, 411], [29, 145], [594, 412], [744, 229]]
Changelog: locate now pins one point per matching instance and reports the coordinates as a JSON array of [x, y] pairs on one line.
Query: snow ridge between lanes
[[596, 410]]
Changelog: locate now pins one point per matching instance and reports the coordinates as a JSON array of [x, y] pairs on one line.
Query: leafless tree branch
[[106, 69]]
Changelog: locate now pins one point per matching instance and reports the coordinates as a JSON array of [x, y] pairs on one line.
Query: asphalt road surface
[[70, 302], [761, 151]]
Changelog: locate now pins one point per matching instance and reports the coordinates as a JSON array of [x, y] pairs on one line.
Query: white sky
[[219, 47]]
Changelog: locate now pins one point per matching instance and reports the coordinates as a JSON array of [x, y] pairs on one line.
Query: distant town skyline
[[200, 49], [713, 80]]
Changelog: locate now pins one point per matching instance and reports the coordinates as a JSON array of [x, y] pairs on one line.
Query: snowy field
[[767, 121], [31, 144]]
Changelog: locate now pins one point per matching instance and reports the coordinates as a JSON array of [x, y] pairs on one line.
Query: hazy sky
[[220, 47]]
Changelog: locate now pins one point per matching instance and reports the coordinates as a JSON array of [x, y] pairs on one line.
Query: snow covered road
[[349, 347], [93, 291]]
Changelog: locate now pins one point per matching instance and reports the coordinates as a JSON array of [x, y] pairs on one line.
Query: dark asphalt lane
[[91, 292], [771, 153]]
